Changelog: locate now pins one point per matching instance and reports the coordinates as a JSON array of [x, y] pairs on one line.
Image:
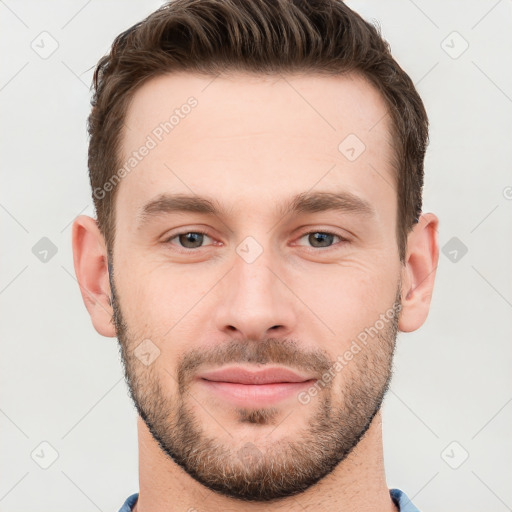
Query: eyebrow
[[306, 202]]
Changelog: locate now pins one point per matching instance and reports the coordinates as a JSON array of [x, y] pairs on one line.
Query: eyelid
[[203, 231], [172, 236], [342, 238]]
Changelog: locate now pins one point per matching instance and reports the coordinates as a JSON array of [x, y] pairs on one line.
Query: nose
[[255, 303]]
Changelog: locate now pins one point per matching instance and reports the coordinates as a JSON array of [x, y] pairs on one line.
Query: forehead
[[328, 105], [242, 135]]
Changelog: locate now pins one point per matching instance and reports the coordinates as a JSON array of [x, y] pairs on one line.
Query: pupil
[[191, 240], [317, 239]]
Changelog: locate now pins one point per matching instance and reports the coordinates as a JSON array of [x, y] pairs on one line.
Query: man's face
[[294, 256]]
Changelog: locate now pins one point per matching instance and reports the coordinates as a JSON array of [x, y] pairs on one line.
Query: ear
[[419, 272], [91, 268]]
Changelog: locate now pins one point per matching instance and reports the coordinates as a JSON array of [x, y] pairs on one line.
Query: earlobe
[[418, 274], [91, 268]]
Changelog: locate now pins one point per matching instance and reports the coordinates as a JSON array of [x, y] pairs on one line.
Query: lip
[[245, 388], [242, 375]]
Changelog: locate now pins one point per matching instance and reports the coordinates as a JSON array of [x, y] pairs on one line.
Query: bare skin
[[252, 144]]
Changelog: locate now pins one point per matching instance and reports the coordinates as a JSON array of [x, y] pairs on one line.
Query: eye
[[190, 239], [321, 239], [197, 239]]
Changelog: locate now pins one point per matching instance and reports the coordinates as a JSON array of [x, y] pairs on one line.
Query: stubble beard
[[250, 471]]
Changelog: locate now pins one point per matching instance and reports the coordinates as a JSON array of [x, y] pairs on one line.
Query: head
[[257, 172]]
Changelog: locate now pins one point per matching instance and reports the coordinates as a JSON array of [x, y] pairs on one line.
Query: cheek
[[157, 297], [349, 297], [166, 301]]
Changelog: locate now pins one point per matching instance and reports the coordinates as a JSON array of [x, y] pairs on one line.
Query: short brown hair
[[261, 36]]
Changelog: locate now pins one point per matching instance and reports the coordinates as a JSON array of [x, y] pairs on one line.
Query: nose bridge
[[253, 299]]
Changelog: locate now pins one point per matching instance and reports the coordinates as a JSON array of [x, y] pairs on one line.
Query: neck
[[357, 484]]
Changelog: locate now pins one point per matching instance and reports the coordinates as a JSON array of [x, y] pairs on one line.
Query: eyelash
[[342, 240], [201, 232]]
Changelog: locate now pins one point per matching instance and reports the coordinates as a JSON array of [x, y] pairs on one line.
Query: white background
[[62, 383]]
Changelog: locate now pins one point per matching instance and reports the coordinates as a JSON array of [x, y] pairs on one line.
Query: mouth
[[244, 387]]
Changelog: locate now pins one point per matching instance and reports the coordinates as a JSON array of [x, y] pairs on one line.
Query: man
[[257, 170]]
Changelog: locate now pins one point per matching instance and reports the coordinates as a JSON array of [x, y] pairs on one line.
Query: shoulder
[[129, 503], [401, 500]]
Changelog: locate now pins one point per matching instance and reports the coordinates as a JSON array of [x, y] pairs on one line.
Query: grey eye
[[191, 240], [320, 239]]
